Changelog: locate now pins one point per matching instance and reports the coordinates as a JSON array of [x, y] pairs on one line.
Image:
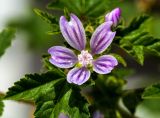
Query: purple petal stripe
[[113, 16], [73, 32], [62, 57], [78, 75], [104, 64], [102, 38]]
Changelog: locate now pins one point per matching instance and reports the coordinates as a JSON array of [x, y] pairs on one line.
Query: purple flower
[[74, 34], [98, 114], [113, 16], [62, 115]]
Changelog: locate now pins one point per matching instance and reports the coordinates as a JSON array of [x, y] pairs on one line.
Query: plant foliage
[[32, 85], [6, 37], [51, 93], [152, 92], [66, 100], [137, 42], [1, 106]]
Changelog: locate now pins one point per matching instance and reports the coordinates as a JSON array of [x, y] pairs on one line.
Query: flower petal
[[62, 57], [98, 114], [73, 32], [104, 64], [62, 115], [102, 38], [78, 75], [113, 16]]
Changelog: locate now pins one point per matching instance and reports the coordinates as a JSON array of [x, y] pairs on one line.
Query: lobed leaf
[[32, 85], [6, 37], [49, 18], [138, 43], [152, 92], [83, 7], [139, 53], [135, 24], [67, 101]]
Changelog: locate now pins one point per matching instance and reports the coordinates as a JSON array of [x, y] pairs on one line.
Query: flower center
[[85, 58]]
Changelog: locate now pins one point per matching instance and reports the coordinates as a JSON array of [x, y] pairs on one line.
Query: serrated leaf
[[139, 53], [6, 37], [152, 92], [83, 7], [67, 100], [49, 18], [32, 85], [135, 24], [139, 43]]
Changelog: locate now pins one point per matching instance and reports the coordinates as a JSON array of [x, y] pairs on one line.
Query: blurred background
[[32, 40]]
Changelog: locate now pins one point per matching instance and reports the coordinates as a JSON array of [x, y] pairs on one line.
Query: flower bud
[[113, 16]]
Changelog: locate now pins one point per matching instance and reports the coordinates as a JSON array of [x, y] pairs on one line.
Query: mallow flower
[[113, 16], [86, 61]]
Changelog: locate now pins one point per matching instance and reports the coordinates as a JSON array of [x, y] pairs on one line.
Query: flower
[[98, 114], [74, 34], [62, 115], [113, 16]]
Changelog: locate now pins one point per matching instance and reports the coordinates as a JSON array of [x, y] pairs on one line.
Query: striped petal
[[113, 16], [102, 38], [73, 32], [78, 75], [104, 64], [62, 57]]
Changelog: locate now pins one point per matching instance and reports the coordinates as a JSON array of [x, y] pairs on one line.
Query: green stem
[[124, 113]]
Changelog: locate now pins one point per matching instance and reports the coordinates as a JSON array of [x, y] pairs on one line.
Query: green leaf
[[152, 92], [1, 107], [132, 98], [6, 37], [49, 18], [120, 59], [154, 49], [135, 24], [67, 100], [136, 41], [139, 53], [140, 43], [32, 85], [83, 7], [123, 72]]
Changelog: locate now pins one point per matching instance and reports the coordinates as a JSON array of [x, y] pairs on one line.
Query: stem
[[124, 113]]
